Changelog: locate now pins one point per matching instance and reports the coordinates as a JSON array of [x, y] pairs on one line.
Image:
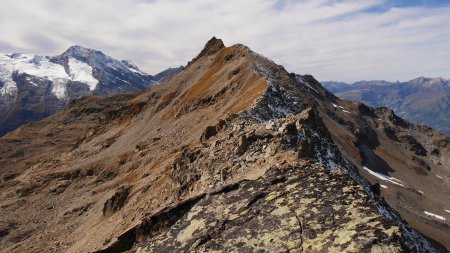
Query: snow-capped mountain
[[101, 73], [33, 87]]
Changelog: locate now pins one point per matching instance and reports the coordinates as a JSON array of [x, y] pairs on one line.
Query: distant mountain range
[[33, 87], [421, 100]]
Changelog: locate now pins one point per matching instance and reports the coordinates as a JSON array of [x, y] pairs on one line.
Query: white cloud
[[333, 40]]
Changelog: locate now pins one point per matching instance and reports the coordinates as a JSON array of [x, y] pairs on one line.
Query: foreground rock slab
[[301, 209]]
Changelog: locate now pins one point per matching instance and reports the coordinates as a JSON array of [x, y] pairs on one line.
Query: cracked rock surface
[[294, 209]]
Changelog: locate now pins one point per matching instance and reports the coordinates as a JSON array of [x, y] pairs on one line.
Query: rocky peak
[[86, 55], [104, 66], [212, 46], [427, 82], [77, 50]]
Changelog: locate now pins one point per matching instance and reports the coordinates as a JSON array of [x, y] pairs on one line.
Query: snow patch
[[327, 160], [135, 71], [448, 211], [6, 70], [439, 176], [34, 65], [305, 84], [42, 67], [59, 88], [335, 106], [341, 107], [82, 72], [383, 186], [434, 215], [384, 177]]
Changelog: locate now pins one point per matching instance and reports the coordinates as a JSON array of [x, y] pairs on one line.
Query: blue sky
[[404, 3], [343, 40], [409, 4]]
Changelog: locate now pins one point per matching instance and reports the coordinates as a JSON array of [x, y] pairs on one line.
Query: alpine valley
[[231, 154]]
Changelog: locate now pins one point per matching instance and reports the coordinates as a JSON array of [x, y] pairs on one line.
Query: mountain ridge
[[235, 132], [421, 100]]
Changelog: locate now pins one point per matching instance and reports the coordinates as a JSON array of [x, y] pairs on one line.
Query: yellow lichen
[[347, 189], [291, 186], [271, 196], [290, 201], [306, 201], [290, 223], [280, 211], [233, 216], [279, 201], [316, 226], [187, 233], [351, 248], [391, 231], [293, 244], [384, 249], [344, 237], [272, 238], [142, 250], [373, 224], [319, 242]]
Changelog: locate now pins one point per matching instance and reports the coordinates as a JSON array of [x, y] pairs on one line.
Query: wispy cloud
[[344, 40]]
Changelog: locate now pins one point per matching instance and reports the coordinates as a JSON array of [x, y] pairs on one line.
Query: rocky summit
[[232, 154]]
